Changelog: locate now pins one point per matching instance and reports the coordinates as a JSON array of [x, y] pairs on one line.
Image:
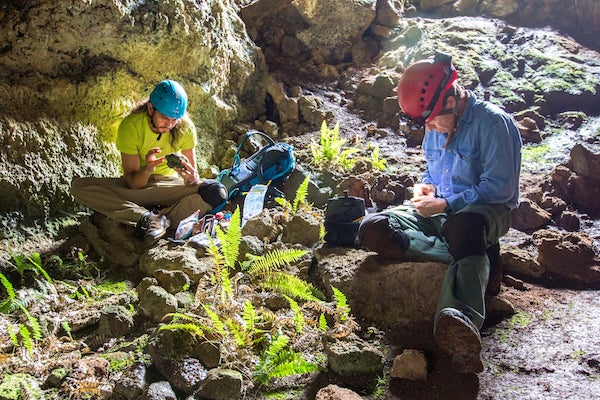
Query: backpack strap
[[236, 158]]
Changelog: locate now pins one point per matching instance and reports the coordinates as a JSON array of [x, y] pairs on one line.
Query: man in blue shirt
[[462, 205]]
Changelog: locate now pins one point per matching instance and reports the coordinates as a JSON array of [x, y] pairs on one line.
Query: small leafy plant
[[330, 150], [278, 361]]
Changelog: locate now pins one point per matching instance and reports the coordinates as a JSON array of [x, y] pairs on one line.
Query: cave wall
[[70, 70]]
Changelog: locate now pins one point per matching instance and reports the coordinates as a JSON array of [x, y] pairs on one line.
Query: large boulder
[[399, 296]]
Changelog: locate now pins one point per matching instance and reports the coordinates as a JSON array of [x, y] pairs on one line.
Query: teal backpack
[[271, 164]]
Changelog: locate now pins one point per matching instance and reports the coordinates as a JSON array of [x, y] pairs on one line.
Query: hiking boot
[[153, 225], [456, 335]]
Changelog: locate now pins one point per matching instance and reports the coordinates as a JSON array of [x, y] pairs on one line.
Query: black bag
[[342, 219], [272, 164]]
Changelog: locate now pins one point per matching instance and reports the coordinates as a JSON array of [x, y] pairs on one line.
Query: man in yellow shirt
[[151, 195]]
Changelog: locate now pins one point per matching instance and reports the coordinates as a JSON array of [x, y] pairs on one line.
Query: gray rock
[[132, 384], [181, 258], [392, 294], [304, 229], [353, 356], [159, 391], [115, 321], [156, 302], [221, 384]]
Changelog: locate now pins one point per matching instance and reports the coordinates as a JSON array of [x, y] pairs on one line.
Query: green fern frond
[[230, 240], [301, 194], [378, 162], [322, 322], [216, 321], [8, 286], [239, 333], [36, 260], [13, 336], [192, 328], [67, 328], [35, 325], [276, 362], [176, 317], [297, 365], [289, 285], [26, 338], [263, 265], [341, 303], [249, 316], [298, 315]]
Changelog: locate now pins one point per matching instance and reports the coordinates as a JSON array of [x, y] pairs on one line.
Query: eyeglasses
[[419, 122]]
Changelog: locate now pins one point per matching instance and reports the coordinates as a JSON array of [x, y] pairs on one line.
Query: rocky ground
[[544, 347], [548, 349]]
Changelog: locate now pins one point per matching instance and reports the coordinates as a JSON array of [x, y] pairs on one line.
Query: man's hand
[[425, 201], [429, 205], [152, 161], [188, 173]]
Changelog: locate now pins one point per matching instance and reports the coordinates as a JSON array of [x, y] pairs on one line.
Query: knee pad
[[379, 233], [213, 192], [465, 235]]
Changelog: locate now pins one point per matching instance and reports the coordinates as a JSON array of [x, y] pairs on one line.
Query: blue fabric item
[[482, 163]]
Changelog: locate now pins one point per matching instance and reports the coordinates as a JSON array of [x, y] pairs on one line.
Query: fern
[[298, 315], [230, 240], [322, 322], [249, 316], [13, 336], [301, 194], [192, 328], [216, 321], [239, 333], [341, 304], [276, 362], [378, 162], [8, 286], [287, 284], [67, 328], [299, 199], [33, 322], [263, 265], [26, 338]]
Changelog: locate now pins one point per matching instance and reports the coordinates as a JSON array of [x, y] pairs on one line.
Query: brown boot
[[456, 335]]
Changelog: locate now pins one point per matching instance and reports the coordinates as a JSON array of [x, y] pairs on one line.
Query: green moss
[[557, 74], [20, 386], [113, 287], [118, 361], [536, 157]]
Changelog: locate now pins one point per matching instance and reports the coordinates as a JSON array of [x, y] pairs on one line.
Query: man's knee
[[379, 233], [465, 235]]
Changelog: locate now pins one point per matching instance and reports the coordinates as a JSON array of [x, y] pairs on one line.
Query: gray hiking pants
[[113, 198]]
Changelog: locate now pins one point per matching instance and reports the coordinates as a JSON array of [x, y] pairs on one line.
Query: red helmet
[[422, 87]]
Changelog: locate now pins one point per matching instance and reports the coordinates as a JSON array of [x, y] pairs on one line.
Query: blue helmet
[[169, 98]]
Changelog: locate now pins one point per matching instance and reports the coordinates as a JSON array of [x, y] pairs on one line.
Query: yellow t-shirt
[[136, 137]]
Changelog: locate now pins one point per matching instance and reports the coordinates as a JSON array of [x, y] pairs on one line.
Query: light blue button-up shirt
[[482, 163]]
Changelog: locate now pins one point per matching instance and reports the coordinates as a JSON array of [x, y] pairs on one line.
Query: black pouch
[[342, 219]]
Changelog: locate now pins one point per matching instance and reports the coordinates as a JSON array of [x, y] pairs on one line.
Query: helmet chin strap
[[154, 127]]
